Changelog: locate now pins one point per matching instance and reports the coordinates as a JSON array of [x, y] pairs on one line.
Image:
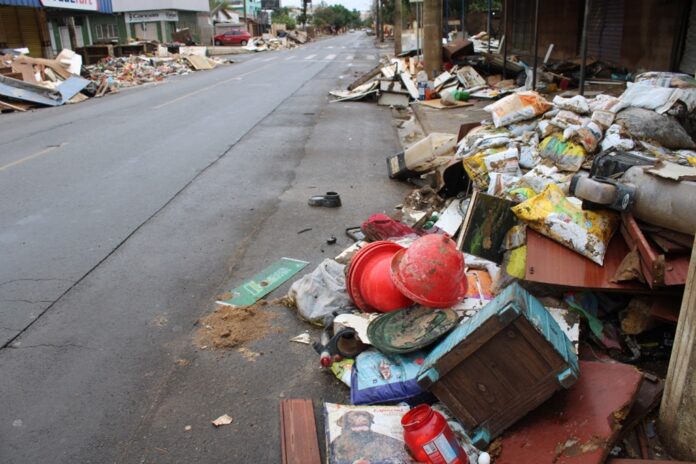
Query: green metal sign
[[265, 282]]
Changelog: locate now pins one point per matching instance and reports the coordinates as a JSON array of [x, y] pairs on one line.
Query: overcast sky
[[360, 5]]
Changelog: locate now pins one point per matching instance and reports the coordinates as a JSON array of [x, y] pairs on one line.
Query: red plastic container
[[430, 439], [369, 280], [430, 272]]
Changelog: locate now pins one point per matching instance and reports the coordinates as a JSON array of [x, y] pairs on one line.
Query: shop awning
[[103, 6]]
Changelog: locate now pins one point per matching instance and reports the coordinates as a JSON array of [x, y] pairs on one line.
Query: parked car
[[233, 38]]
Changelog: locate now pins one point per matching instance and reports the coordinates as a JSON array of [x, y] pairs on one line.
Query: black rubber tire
[[243, 43], [218, 43]]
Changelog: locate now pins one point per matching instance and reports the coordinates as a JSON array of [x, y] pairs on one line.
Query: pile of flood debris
[[27, 82], [520, 305]]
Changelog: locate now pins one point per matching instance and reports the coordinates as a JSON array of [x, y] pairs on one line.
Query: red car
[[233, 38]]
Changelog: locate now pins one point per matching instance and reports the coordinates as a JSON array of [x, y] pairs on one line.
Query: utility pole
[[246, 22], [462, 18], [397, 27], [304, 14], [677, 423], [380, 33], [432, 37]]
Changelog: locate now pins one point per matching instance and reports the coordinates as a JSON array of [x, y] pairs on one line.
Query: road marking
[[330, 57], [217, 84], [269, 59], [349, 57], [310, 57], [289, 58], [369, 57], [45, 151], [330, 46]]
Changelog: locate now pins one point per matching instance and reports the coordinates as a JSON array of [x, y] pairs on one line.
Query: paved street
[[122, 218]]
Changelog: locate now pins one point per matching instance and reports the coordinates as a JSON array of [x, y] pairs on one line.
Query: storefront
[[158, 19], [46, 26]]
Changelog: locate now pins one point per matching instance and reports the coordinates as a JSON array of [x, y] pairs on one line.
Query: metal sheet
[[24, 91], [549, 262], [71, 87]]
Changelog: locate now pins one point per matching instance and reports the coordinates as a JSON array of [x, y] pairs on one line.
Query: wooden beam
[[677, 423], [298, 433]]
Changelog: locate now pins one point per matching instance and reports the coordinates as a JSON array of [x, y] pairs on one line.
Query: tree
[[282, 16], [335, 16]]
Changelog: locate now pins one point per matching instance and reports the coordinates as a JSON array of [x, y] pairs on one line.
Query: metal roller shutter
[[30, 30], [10, 34], [688, 61]]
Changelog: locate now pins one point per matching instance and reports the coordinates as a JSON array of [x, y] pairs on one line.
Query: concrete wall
[[145, 5]]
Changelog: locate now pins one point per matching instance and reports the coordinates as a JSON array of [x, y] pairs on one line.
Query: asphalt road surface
[[122, 218]]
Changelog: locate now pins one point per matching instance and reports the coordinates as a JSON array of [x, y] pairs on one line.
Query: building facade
[[44, 26]]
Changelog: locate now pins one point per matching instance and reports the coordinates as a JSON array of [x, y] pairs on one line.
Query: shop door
[[146, 31], [65, 36]]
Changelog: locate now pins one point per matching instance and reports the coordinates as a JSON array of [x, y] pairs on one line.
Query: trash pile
[[27, 82], [270, 42], [520, 305], [398, 81]]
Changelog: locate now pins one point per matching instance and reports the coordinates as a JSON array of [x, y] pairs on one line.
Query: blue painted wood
[[512, 302]]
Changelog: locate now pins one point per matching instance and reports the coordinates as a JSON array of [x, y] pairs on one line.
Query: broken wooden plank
[[410, 86], [579, 425], [372, 73], [15, 106], [53, 64], [437, 104], [549, 262], [298, 432]]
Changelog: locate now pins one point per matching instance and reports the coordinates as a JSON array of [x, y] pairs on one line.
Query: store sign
[[90, 5], [151, 16]]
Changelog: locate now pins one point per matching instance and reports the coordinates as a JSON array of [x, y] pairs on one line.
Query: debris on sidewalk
[[222, 420], [230, 327], [96, 77], [263, 283], [531, 280]]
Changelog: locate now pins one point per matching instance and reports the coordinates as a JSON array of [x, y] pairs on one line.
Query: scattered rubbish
[[369, 279], [429, 437], [304, 230], [298, 432], [222, 420], [264, 282], [580, 424], [410, 329], [330, 200], [380, 379], [514, 322], [364, 433], [331, 240], [486, 222], [321, 292], [303, 338], [430, 272]]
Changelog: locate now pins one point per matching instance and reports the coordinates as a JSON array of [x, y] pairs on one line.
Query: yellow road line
[[31, 157]]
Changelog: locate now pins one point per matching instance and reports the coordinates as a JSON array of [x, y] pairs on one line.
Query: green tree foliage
[[337, 16], [282, 16]]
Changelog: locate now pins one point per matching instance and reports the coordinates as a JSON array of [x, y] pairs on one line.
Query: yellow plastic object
[[566, 155], [551, 214]]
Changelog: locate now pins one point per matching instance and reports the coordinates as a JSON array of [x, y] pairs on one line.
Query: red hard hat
[[369, 282], [430, 272]]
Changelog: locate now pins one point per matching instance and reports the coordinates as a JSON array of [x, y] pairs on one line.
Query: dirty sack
[[646, 124], [517, 107], [567, 155], [321, 292], [380, 379], [555, 216]]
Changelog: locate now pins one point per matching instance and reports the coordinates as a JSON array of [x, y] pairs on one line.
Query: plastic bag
[[577, 104], [478, 166], [612, 139], [500, 183], [568, 156], [321, 292], [380, 379], [542, 175], [553, 215], [517, 107]]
